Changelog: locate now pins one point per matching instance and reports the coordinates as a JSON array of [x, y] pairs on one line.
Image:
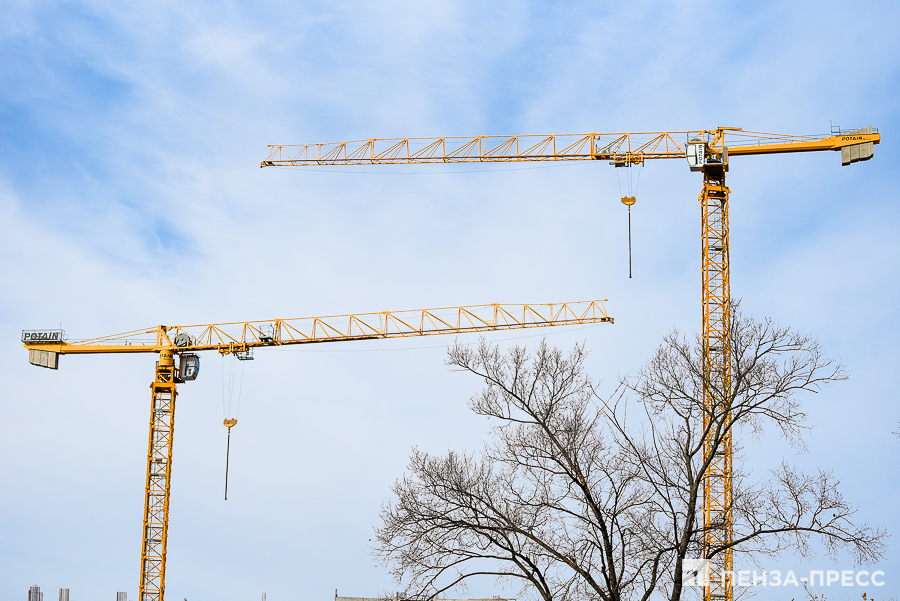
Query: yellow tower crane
[[706, 151], [177, 347]]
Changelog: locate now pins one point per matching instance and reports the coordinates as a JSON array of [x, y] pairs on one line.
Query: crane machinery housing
[[179, 362], [707, 152]]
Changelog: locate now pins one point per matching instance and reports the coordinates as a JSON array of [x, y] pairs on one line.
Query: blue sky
[[131, 196]]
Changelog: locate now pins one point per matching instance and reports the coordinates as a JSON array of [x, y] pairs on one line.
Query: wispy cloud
[[130, 195]]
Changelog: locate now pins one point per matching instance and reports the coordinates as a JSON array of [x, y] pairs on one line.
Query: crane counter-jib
[[838, 142]]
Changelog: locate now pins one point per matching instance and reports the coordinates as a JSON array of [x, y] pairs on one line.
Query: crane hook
[[229, 423], [628, 201]]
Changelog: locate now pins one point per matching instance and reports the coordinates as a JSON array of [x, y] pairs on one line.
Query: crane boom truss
[[477, 149], [234, 336], [628, 148]]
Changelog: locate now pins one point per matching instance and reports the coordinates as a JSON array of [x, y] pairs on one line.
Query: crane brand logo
[[851, 138], [45, 336]]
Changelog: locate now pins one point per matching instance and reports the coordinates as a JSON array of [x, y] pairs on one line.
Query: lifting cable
[[629, 200], [230, 409]]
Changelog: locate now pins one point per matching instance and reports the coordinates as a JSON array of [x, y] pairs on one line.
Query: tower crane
[[179, 362], [708, 152]]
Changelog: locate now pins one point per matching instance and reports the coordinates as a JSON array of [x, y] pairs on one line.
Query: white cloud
[[132, 195]]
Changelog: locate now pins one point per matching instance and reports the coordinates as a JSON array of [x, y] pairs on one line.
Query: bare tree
[[770, 365], [573, 499]]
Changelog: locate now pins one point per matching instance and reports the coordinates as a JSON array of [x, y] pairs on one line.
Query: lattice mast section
[[717, 515], [159, 477]]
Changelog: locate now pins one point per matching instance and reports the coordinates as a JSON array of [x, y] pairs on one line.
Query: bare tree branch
[[575, 497]]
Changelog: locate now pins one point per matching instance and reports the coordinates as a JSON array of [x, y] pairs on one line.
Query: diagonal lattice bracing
[[716, 347], [159, 462]]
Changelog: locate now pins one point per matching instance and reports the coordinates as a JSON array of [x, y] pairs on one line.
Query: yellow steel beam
[[158, 482], [239, 336], [631, 147], [717, 511], [769, 144], [627, 148]]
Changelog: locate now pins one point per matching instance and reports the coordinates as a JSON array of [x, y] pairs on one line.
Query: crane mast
[[706, 151], [159, 480], [239, 338], [717, 521]]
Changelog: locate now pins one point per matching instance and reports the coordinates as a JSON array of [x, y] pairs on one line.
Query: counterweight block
[[858, 152]]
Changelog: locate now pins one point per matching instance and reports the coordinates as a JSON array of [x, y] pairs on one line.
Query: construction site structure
[[706, 151], [178, 346]]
